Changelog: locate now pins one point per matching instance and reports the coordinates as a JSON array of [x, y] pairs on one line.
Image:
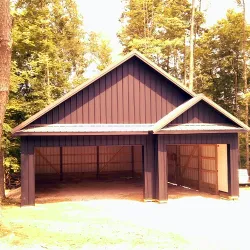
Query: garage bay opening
[[202, 167], [89, 172]]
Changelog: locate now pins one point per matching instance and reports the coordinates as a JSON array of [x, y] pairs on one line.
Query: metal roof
[[85, 128], [67, 128], [190, 103], [199, 128]]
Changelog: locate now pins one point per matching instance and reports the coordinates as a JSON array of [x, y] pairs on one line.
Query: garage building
[[133, 118]]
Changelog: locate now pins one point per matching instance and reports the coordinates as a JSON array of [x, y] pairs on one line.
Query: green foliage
[[48, 59], [99, 50], [157, 28], [219, 63], [48, 51]]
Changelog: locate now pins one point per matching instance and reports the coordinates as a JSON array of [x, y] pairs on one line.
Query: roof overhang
[[85, 129], [200, 128]]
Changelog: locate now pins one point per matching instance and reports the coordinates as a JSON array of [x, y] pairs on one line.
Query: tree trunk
[[191, 65], [245, 81], [5, 57], [185, 62]]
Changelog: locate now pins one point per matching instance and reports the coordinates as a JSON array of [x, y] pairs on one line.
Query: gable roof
[[190, 103], [134, 53]]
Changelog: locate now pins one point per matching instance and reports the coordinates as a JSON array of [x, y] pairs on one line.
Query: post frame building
[[180, 137]]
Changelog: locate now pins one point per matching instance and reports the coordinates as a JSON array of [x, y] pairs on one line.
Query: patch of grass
[[9, 202]]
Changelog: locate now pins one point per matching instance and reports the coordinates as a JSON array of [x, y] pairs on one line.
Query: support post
[[27, 173], [61, 165], [199, 166], [162, 173], [233, 162], [97, 162], [133, 161]]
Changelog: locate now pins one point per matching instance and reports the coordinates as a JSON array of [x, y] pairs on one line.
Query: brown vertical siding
[[131, 93], [230, 139], [201, 113]]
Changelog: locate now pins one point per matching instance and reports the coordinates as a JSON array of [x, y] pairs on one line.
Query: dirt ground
[[108, 216]]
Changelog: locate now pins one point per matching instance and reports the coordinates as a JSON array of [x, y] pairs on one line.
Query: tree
[[48, 59], [244, 43], [48, 50], [99, 50], [219, 66], [157, 28], [5, 60], [191, 63], [50, 53]]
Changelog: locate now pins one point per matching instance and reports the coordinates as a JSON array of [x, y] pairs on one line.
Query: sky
[[102, 16]]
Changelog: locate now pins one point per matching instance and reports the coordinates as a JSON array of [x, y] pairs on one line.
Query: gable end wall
[[131, 93]]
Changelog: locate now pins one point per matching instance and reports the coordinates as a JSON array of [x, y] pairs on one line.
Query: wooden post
[[216, 166], [177, 167], [200, 166], [97, 163], [133, 161], [61, 164]]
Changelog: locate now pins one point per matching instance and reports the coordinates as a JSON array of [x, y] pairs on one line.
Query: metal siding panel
[[137, 92], [131, 100], [43, 119], [108, 98], [120, 94], [73, 109], [171, 105], [61, 113], [67, 118], [103, 100], [142, 95], [125, 93], [158, 100], [49, 117], [85, 108], [79, 105], [153, 105], [164, 102], [114, 99], [91, 103], [74, 141], [97, 113], [147, 97]]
